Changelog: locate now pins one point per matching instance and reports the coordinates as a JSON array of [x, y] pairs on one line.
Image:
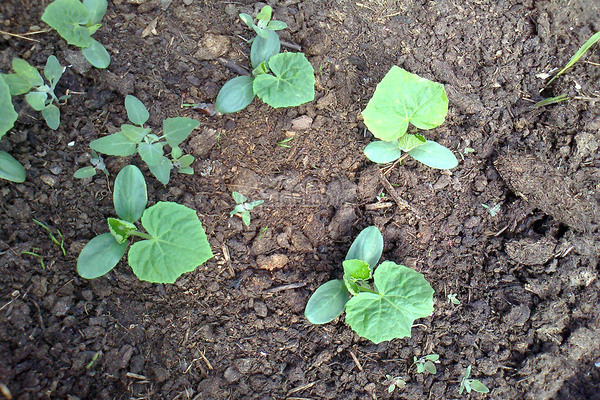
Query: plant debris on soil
[[526, 277]]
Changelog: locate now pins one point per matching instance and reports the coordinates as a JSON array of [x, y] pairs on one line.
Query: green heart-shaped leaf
[[434, 155], [121, 230], [134, 133], [97, 9], [27, 72], [410, 141], [130, 194], [178, 244], [152, 154], [176, 130], [66, 17], [402, 98], [116, 144], [327, 302], [162, 170], [292, 85], [404, 295]]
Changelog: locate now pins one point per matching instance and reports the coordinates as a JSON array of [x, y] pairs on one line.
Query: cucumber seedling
[[76, 22], [136, 138], [383, 310], [278, 79], [402, 98], [174, 242]]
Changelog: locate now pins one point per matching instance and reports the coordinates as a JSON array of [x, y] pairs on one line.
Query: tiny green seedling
[[471, 384], [39, 257], [284, 142], [42, 97], [278, 79], [94, 358], [61, 243], [426, 363], [580, 53], [76, 22], [402, 98], [452, 299], [97, 165], [242, 208], [493, 210], [175, 241], [382, 311], [136, 138], [396, 382]]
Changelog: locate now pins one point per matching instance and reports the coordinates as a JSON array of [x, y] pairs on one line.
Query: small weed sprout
[[452, 299], [36, 255], [97, 165], [426, 363], [493, 210], [396, 382], [469, 384], [136, 138], [61, 243], [242, 208], [38, 94]]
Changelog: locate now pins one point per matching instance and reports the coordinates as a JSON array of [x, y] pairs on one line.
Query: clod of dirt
[[212, 46], [272, 262], [548, 189], [302, 123], [342, 222], [202, 143], [517, 316], [530, 252]]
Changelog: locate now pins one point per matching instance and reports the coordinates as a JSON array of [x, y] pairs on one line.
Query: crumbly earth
[[525, 272]]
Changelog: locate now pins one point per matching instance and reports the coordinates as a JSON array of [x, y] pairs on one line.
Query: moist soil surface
[[512, 232]]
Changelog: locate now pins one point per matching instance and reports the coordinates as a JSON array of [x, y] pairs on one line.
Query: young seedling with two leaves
[[175, 242], [426, 363], [97, 165], [242, 208], [400, 99], [76, 22], [136, 138], [278, 79], [383, 310], [469, 384], [38, 94]]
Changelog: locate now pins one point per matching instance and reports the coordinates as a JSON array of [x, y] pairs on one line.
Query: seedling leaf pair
[[133, 139], [175, 241], [401, 99], [383, 311], [278, 79], [471, 384], [242, 208], [76, 22]]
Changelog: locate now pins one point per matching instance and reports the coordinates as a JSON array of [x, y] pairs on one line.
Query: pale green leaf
[[382, 152], [27, 72], [99, 256], [97, 9], [37, 100], [134, 133], [186, 170], [293, 82], [97, 55], [8, 115], [430, 367], [404, 295], [367, 247], [116, 144], [176, 130], [51, 115], [162, 170], [238, 197], [245, 217], [66, 17], [178, 244], [185, 161], [121, 230], [276, 25], [248, 20], [136, 111], [53, 71], [11, 169], [477, 386], [130, 194], [582, 50], [327, 302], [17, 84], [402, 98], [434, 155], [85, 172], [235, 95], [176, 153], [265, 14], [152, 154], [410, 141], [264, 48]]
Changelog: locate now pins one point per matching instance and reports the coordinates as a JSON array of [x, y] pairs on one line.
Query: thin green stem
[[364, 289], [141, 234]]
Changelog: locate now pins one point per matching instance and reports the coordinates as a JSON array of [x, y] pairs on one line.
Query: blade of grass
[[39, 257], [582, 50], [551, 100], [60, 244]]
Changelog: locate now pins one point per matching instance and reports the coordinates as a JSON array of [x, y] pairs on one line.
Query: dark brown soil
[[526, 277]]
